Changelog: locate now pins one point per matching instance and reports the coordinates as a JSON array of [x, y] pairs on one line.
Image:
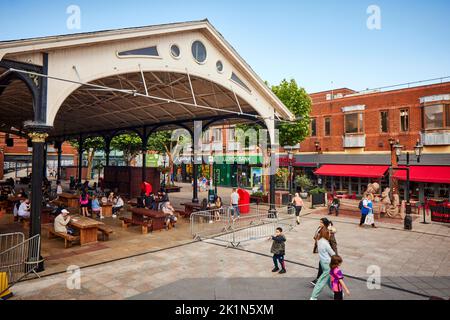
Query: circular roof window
[[199, 51], [219, 66], [175, 51]]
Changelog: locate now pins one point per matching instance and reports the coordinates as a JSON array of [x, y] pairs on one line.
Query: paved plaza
[[412, 264]]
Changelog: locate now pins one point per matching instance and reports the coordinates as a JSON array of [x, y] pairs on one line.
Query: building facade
[[16, 154], [351, 128]]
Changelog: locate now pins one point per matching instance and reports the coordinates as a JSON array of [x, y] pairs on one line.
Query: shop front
[[352, 179], [239, 171]]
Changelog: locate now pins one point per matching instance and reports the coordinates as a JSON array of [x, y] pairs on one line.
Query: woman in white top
[[118, 205], [325, 254]]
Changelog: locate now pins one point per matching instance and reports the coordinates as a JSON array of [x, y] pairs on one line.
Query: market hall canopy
[[136, 79], [154, 76], [357, 171], [430, 174]]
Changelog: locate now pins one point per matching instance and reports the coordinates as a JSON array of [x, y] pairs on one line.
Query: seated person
[[118, 205], [24, 209], [163, 199], [111, 197], [61, 222], [104, 199], [96, 208], [151, 202], [219, 208], [170, 214], [334, 205]]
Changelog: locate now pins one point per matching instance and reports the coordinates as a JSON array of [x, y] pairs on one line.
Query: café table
[[88, 229], [106, 209], [70, 200]]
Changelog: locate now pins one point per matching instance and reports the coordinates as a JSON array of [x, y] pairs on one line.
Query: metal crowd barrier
[[9, 240], [229, 227], [21, 259]]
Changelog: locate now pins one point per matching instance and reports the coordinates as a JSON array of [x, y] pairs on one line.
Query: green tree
[[161, 142], [298, 102], [130, 144], [90, 145]]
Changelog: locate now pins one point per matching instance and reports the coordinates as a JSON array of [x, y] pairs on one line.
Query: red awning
[[349, 170], [431, 174]]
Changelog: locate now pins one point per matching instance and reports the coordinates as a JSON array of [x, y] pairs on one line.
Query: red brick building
[[18, 156], [354, 128]]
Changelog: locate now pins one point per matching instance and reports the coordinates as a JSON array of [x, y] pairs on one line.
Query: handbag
[[369, 219]]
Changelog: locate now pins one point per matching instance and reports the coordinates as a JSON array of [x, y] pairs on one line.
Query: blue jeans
[[279, 258], [236, 210]]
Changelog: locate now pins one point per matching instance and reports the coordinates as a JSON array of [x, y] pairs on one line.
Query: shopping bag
[[369, 219]]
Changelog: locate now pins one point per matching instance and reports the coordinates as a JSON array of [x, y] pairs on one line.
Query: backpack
[[360, 205]]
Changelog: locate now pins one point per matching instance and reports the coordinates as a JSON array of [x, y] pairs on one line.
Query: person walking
[[325, 254], [297, 201], [367, 211], [337, 278], [324, 223], [279, 250], [235, 203]]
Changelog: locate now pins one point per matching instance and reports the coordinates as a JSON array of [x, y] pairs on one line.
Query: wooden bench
[[145, 225], [105, 231], [68, 239]]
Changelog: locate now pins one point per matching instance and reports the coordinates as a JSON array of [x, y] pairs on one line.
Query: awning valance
[[431, 174], [347, 170]]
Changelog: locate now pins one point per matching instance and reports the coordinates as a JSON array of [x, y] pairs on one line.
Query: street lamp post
[[164, 168], [290, 157], [290, 152], [398, 152]]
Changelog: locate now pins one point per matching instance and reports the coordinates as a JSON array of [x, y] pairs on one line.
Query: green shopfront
[[238, 171]]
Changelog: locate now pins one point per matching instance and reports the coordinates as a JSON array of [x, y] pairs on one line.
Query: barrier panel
[[228, 226], [19, 260]]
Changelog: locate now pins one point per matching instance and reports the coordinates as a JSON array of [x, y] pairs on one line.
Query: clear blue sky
[[315, 42]]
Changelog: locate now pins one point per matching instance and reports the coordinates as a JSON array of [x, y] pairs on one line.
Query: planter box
[[318, 199]]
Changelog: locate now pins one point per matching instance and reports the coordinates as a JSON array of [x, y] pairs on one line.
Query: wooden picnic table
[[190, 207], [70, 200], [88, 229], [145, 218]]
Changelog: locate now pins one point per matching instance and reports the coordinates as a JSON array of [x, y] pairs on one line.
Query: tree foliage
[[298, 102], [130, 144], [90, 145]]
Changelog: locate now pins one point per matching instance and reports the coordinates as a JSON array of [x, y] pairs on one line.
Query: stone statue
[[385, 200], [372, 188], [393, 210]]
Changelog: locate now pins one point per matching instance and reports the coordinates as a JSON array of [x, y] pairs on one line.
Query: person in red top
[[146, 188], [146, 191]]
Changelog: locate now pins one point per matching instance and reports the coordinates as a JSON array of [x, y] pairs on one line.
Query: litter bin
[[244, 201]]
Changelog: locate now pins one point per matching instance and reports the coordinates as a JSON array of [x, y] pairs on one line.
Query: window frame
[[192, 52], [325, 126], [311, 127], [445, 116], [381, 121], [401, 122], [359, 130]]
